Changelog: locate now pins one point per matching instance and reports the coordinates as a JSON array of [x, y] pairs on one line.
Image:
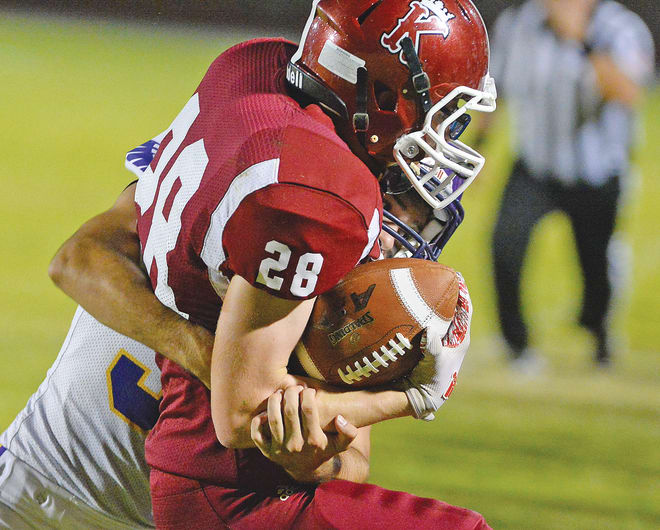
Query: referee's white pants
[[29, 500]]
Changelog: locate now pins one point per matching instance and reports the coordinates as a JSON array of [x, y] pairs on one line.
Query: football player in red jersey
[[232, 213]]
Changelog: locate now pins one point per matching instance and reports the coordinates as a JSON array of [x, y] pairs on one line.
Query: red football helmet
[[405, 72]]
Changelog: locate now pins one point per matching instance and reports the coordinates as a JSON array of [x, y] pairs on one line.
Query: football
[[366, 331]]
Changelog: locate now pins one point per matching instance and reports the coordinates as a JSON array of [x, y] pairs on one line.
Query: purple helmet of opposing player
[[427, 241]]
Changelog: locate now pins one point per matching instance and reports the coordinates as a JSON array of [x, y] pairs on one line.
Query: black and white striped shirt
[[562, 126]]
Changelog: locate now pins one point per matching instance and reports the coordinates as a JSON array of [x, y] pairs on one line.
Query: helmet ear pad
[[389, 111]]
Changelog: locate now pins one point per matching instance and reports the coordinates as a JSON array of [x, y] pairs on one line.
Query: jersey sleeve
[[296, 242], [633, 50]]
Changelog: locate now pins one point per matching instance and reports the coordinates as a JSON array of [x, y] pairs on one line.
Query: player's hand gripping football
[[290, 435], [444, 346]]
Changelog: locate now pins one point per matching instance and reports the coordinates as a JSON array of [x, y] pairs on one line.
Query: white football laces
[[370, 366]]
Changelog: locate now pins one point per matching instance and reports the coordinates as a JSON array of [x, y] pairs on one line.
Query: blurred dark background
[[289, 15]]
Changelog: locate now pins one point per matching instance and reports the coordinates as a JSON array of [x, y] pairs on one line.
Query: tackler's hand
[[432, 381], [289, 433]]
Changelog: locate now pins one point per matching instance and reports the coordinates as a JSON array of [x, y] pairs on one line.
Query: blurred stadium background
[[83, 82]]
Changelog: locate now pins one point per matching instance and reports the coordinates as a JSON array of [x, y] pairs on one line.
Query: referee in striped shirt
[[573, 72]]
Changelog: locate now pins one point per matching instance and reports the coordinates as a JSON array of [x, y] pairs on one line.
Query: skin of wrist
[[362, 407], [200, 350], [326, 471], [189, 345]]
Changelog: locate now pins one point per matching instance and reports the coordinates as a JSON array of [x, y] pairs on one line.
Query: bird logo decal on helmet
[[425, 17]]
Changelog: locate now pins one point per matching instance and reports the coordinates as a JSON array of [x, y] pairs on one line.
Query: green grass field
[[573, 448]]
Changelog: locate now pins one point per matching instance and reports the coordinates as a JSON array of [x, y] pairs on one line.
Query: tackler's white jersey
[[85, 427]]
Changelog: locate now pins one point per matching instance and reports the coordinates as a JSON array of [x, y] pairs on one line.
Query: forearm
[[99, 268], [92, 273], [255, 335], [571, 22], [234, 405], [613, 84], [350, 465], [353, 466], [137, 313], [362, 407]]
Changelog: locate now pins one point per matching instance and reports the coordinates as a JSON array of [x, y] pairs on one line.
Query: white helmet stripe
[[372, 234], [296, 56]]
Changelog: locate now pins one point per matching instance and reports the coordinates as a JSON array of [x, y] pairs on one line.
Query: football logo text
[[337, 336], [361, 300]]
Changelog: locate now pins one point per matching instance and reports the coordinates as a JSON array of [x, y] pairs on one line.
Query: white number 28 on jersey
[[307, 270], [181, 183]]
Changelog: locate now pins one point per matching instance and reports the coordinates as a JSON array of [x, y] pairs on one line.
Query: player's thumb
[[346, 433], [432, 339]]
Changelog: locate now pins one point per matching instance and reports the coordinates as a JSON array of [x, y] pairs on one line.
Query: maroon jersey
[[245, 182]]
